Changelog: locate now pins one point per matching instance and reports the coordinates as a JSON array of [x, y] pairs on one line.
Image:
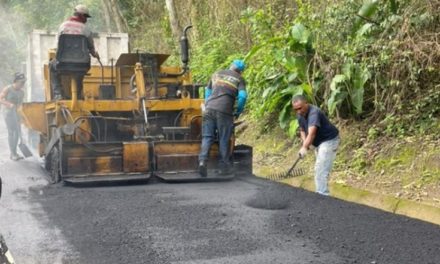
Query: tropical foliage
[[370, 60]]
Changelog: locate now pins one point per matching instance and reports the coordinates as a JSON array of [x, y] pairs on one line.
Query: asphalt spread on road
[[247, 220]]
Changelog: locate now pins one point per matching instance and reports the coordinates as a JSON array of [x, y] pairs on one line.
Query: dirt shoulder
[[405, 167]]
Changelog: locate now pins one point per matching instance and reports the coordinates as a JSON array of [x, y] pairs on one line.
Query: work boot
[[203, 170], [57, 97], [225, 171], [15, 157]]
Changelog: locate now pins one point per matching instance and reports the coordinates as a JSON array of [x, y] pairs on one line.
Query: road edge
[[386, 203]]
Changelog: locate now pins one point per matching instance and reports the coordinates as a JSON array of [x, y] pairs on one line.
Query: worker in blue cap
[[225, 88]]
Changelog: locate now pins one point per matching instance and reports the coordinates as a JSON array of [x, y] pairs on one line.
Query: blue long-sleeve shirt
[[224, 88]]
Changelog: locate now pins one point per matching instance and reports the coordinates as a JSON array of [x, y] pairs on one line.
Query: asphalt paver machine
[[132, 120]]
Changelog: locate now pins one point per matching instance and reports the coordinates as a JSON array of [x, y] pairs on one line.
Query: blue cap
[[238, 65]]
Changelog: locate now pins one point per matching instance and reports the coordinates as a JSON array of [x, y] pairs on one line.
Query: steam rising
[[12, 45]]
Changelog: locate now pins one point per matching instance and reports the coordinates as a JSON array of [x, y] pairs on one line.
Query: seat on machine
[[72, 61], [73, 54]]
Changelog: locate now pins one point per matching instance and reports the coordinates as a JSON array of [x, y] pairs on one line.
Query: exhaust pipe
[[184, 46], [184, 53]]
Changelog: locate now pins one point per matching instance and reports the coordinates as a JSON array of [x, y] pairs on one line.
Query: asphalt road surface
[[247, 220]]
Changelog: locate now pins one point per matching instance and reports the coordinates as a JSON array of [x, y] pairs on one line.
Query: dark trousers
[[215, 121], [13, 125], [55, 81]]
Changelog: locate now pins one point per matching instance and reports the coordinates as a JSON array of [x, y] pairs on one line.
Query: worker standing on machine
[[224, 88], [11, 98], [75, 25]]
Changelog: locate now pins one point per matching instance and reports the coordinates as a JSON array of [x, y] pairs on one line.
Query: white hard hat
[[82, 9]]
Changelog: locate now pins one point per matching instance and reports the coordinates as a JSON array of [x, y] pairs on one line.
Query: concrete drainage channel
[[387, 203]]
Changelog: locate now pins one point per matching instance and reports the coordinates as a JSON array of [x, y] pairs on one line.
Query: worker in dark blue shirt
[[225, 87], [316, 130]]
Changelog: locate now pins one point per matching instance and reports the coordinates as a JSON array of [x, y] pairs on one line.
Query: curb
[[386, 203]]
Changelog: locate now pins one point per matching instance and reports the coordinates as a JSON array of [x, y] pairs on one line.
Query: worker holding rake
[[317, 131]]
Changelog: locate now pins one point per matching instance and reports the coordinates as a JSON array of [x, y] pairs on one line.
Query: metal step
[[107, 178], [192, 176]]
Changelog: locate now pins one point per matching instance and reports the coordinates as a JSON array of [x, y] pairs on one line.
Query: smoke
[[19, 18], [13, 39]]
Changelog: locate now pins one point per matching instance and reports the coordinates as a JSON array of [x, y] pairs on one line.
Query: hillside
[[406, 167]]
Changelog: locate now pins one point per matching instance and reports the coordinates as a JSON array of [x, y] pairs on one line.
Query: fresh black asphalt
[[247, 220]]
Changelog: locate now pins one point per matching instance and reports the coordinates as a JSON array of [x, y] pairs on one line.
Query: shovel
[[24, 149]]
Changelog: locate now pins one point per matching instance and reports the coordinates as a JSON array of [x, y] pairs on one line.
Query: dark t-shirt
[[315, 117], [225, 85], [13, 96]]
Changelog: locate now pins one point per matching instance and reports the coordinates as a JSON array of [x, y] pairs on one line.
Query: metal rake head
[[287, 174]]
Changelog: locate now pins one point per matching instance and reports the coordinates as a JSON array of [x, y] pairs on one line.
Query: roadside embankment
[[399, 175]]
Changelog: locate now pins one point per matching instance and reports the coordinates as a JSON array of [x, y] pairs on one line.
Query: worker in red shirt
[[75, 25]]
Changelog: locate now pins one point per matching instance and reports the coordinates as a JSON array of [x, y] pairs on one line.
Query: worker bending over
[[218, 117], [316, 130]]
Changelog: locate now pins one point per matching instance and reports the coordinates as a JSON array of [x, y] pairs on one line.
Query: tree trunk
[[121, 23], [174, 21], [107, 18]]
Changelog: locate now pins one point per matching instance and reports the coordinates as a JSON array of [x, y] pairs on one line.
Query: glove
[[302, 152]]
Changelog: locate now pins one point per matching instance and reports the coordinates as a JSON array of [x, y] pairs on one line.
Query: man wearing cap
[[75, 25], [225, 87], [11, 98]]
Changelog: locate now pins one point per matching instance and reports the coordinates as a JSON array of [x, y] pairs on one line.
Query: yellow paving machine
[[131, 120]]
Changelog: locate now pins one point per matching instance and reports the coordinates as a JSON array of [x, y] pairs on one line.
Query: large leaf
[[285, 115], [347, 69], [272, 103], [293, 90], [296, 64], [338, 79], [336, 98], [257, 48], [293, 127], [366, 12], [292, 77], [357, 99], [307, 89], [360, 77], [300, 34], [268, 92], [394, 6], [364, 30]]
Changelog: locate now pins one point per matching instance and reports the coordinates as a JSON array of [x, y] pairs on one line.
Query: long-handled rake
[[291, 172]]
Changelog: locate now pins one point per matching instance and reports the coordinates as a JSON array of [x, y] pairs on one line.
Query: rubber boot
[[203, 170]]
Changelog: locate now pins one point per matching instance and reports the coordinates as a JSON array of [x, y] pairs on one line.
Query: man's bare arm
[[310, 137], [3, 100]]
